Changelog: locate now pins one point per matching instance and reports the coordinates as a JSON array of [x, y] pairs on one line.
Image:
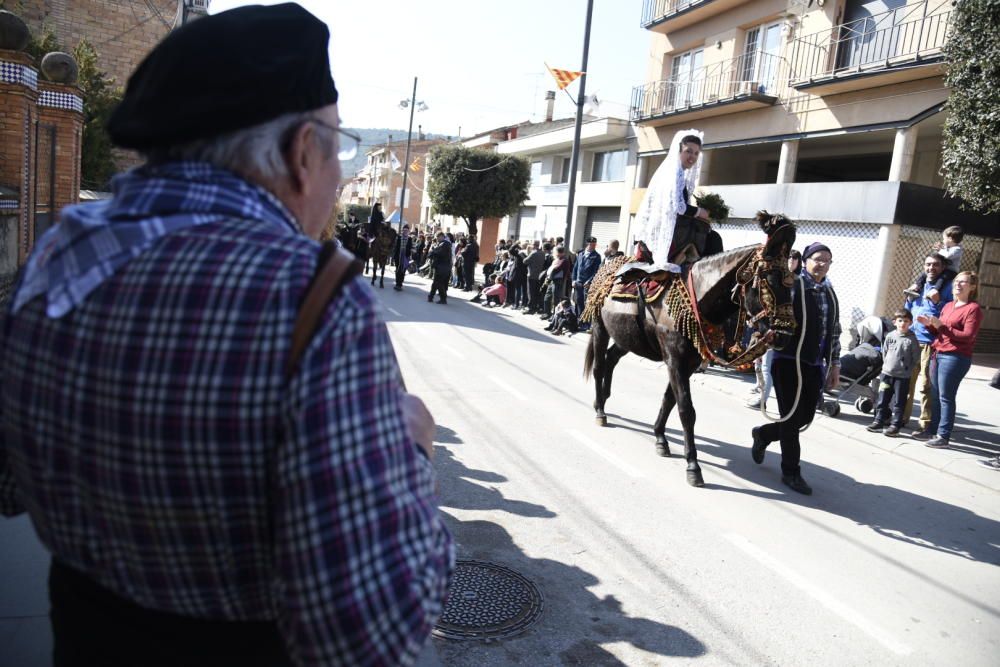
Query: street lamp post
[[406, 160], [575, 158]]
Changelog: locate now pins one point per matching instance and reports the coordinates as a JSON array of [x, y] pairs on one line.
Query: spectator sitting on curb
[[496, 293], [564, 319]]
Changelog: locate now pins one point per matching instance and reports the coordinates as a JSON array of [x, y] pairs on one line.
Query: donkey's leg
[[659, 428], [680, 377], [599, 339], [381, 278], [615, 353], [374, 269]]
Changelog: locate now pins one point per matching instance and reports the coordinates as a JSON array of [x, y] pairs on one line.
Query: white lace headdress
[[664, 199]]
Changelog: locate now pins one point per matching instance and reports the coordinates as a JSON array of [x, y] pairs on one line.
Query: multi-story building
[[603, 183], [381, 179], [830, 111]]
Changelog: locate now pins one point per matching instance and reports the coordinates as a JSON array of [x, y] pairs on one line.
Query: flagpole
[[575, 158], [406, 160]]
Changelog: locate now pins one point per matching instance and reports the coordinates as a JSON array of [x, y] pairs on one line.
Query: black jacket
[[440, 256], [812, 353], [409, 247], [471, 254]]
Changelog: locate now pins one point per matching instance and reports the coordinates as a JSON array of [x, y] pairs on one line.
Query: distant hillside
[[373, 137]]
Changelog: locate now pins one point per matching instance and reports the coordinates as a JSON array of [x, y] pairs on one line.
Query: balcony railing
[[756, 75], [655, 10], [880, 41]]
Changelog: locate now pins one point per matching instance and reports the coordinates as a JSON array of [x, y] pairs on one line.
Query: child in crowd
[[950, 248], [564, 319], [496, 293], [900, 354]]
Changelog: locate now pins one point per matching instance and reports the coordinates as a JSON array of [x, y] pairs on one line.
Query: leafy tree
[[971, 160], [100, 97], [472, 183]]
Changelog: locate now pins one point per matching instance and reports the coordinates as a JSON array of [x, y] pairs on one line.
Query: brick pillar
[[60, 137], [18, 100]]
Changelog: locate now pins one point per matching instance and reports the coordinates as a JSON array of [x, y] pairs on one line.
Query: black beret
[[223, 73]]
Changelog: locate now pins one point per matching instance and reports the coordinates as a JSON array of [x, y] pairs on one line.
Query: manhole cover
[[488, 601]]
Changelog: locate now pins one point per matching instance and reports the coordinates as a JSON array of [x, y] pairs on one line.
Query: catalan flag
[[563, 77], [415, 166]]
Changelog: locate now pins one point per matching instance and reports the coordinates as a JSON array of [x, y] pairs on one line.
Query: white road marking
[[507, 388], [607, 456], [877, 633], [394, 311]]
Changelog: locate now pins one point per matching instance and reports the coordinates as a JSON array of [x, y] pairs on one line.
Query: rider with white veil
[[667, 197]]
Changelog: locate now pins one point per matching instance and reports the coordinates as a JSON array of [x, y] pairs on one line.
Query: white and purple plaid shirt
[[153, 437]]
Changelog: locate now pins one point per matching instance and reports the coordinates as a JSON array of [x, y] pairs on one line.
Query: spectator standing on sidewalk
[[518, 284], [402, 251], [440, 258], [558, 278], [204, 501], [470, 258], [955, 335], [927, 303], [584, 270], [900, 355], [820, 351], [535, 263]]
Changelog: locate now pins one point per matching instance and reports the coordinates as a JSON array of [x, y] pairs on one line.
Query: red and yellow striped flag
[[416, 164], [563, 77]]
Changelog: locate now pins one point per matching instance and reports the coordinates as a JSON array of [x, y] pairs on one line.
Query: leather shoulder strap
[[335, 267]]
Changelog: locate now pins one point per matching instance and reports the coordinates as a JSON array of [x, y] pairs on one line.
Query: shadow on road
[[461, 314], [894, 513], [575, 621]]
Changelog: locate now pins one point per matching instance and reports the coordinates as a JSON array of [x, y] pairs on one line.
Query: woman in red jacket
[[955, 334]]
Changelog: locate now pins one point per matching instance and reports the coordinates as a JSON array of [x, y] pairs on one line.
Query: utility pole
[[406, 161], [575, 158]]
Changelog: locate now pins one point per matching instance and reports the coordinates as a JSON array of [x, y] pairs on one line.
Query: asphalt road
[[889, 562]]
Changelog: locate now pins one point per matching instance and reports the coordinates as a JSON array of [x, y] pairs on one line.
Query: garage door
[[602, 223]]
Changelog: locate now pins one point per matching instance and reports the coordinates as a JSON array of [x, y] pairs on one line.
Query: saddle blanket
[[629, 291]]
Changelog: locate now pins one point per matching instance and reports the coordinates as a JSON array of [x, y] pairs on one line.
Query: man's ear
[[299, 156]]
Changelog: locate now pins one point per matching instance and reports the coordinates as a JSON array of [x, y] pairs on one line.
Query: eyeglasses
[[349, 143], [825, 262]]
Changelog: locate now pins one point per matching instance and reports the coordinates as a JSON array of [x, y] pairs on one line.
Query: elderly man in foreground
[[205, 501]]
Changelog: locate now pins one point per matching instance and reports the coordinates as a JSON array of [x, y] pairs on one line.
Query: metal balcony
[[661, 15], [895, 46], [753, 80]]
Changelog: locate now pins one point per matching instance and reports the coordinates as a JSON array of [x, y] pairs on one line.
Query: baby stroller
[[860, 368]]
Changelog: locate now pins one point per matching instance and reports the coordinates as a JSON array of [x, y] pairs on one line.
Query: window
[[536, 172], [686, 76], [609, 166], [561, 174], [760, 58]]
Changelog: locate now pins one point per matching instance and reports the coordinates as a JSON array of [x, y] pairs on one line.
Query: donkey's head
[[767, 282]]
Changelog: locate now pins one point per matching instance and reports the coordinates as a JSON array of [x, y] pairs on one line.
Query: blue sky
[[479, 62]]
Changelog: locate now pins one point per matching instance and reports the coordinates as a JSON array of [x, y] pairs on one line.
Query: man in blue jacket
[[925, 304], [583, 273]]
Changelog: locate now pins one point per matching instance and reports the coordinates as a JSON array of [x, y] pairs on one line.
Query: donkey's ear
[[763, 219]]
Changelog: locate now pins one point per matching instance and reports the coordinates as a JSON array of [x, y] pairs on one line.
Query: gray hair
[[257, 150]]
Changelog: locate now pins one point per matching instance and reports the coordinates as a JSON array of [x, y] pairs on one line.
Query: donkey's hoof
[[694, 478], [662, 449], [601, 421]]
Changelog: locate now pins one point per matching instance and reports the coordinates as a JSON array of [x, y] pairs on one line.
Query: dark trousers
[[517, 292], [785, 387], [470, 275], [400, 274], [892, 400], [93, 626], [439, 285], [534, 294]]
